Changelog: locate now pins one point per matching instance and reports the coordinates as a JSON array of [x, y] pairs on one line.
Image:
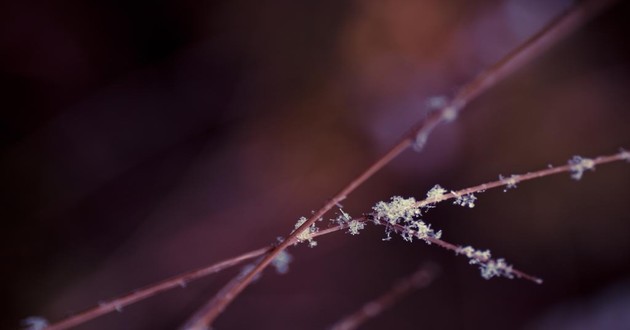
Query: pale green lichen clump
[[496, 268], [465, 200], [420, 230], [579, 165], [489, 268], [510, 182], [436, 194], [306, 234], [474, 255], [353, 225], [397, 210], [403, 212]]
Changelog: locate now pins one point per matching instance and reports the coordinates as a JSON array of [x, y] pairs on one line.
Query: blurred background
[[141, 139]]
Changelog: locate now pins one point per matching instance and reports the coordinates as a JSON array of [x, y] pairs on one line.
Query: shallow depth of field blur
[[143, 139]]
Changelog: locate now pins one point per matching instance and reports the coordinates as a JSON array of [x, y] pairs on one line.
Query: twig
[[177, 281], [517, 178], [180, 280], [198, 321], [455, 248], [420, 279], [557, 29]]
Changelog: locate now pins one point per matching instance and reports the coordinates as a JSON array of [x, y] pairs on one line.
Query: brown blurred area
[[142, 139]]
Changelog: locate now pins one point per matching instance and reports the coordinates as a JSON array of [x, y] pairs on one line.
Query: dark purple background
[[143, 139]]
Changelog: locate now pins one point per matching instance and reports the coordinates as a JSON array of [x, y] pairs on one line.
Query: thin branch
[[178, 281], [199, 321], [420, 279], [456, 248], [517, 178], [557, 29], [181, 280]]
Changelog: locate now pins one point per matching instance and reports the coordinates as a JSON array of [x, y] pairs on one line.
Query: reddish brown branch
[[517, 178], [455, 248], [177, 281], [418, 133], [514, 271], [566, 23], [181, 279]]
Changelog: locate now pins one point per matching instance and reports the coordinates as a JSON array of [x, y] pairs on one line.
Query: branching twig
[[177, 281], [182, 279], [417, 135], [420, 132]]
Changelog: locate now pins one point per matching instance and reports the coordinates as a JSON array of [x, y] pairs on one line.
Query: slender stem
[[184, 278], [177, 281], [557, 29], [419, 132], [517, 178], [420, 279], [456, 248]]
